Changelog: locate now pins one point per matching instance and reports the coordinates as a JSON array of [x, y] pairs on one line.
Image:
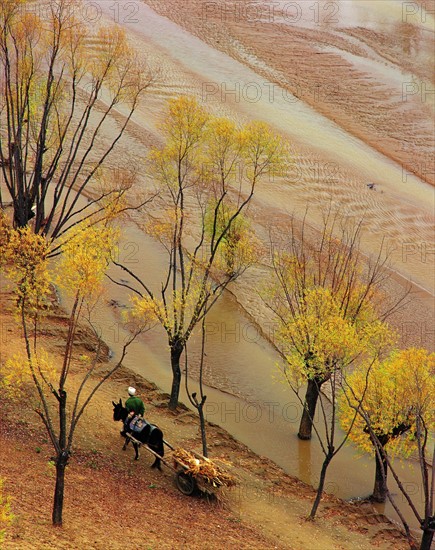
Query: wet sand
[[347, 127], [367, 65]]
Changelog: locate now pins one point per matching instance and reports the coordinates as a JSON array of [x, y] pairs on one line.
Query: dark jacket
[[135, 404]]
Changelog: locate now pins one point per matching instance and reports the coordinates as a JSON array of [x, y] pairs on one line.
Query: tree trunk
[[176, 351], [325, 465], [311, 397], [202, 424], [61, 463], [380, 488], [22, 211], [426, 539]]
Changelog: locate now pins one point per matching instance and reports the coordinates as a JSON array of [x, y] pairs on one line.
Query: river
[[334, 157]]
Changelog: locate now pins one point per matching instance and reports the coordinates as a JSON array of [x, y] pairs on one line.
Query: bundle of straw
[[201, 466]]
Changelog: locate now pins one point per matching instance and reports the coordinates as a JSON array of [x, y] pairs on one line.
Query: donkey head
[[118, 410]]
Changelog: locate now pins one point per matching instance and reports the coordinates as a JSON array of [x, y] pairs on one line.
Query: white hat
[[131, 390]]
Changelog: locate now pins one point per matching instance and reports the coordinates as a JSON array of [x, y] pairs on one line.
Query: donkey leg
[[157, 461], [136, 449], [157, 464], [126, 442], [157, 447]]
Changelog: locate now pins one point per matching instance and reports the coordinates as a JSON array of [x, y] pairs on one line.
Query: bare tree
[[59, 85], [193, 396]]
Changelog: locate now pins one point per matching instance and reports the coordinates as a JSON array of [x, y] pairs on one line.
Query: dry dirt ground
[[112, 502]]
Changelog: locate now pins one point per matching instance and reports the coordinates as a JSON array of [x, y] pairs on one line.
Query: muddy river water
[[332, 159]]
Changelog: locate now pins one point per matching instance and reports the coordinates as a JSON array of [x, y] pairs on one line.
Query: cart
[[186, 481]]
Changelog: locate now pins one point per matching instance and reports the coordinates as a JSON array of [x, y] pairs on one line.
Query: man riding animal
[[134, 403], [134, 406], [143, 432]]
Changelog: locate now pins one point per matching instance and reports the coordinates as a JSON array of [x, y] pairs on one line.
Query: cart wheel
[[186, 484]]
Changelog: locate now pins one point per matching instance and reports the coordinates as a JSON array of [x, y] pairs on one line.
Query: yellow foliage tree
[[61, 81], [5, 232], [324, 344], [394, 400], [330, 312], [319, 337], [207, 172], [27, 266], [80, 270], [17, 373], [393, 393]]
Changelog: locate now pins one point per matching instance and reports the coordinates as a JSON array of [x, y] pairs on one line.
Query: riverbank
[[108, 494]]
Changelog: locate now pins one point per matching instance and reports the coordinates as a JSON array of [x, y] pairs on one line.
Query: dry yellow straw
[[203, 467]]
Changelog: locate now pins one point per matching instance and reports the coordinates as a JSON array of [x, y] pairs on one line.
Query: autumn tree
[[59, 401], [207, 172], [336, 345], [395, 417], [330, 259], [382, 392], [60, 82]]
